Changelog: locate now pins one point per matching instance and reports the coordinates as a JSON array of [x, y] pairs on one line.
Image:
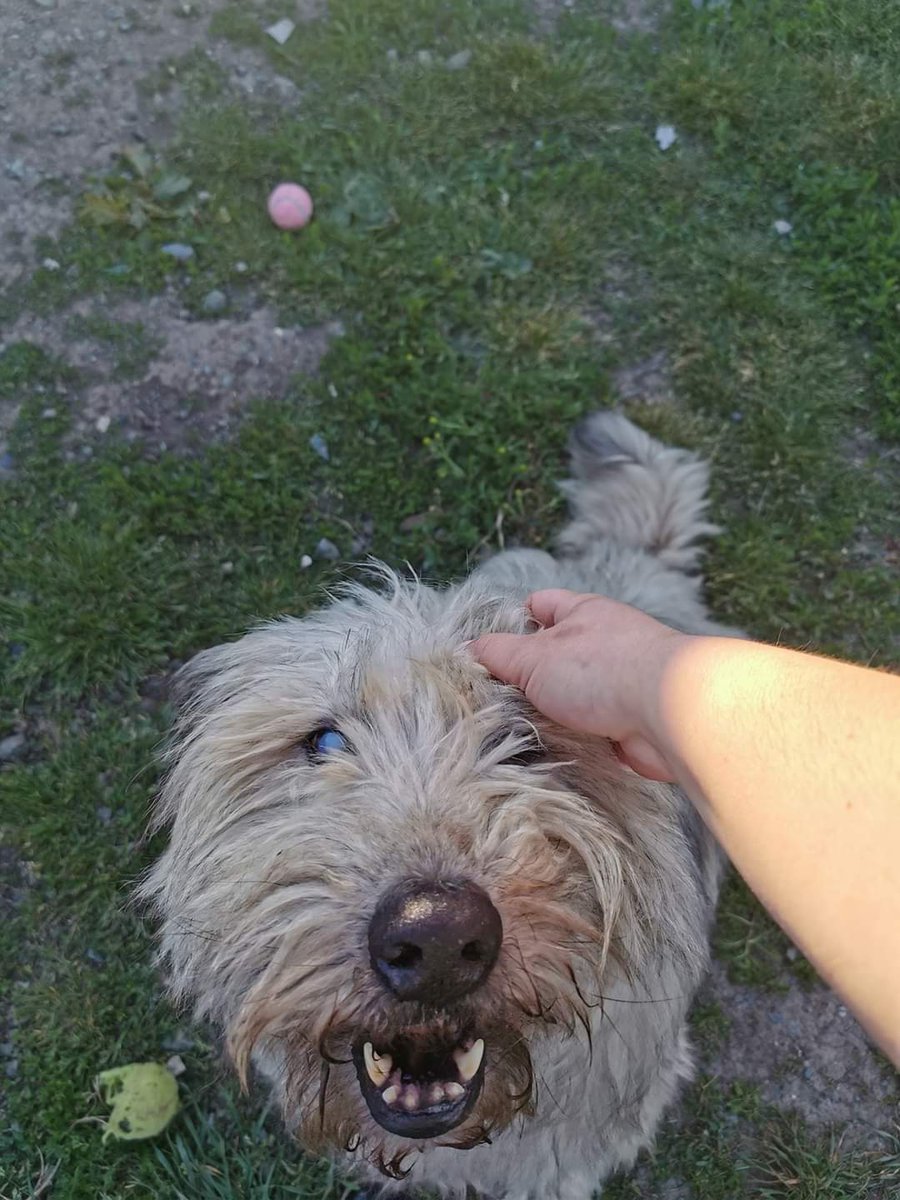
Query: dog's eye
[[322, 742]]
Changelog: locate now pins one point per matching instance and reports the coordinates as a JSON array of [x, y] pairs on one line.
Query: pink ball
[[290, 206]]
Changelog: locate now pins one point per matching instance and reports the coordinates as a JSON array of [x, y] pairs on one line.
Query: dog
[[458, 941]]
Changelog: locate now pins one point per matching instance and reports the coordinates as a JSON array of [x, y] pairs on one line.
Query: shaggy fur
[[605, 882]]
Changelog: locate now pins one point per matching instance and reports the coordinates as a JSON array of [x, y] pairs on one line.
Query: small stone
[[791, 953], [782, 228], [416, 521], [118, 269], [240, 267], [7, 464], [48, 414], [665, 136], [459, 61], [204, 197], [103, 424], [178, 250], [7, 1050], [305, 562], [326, 549], [424, 57], [175, 1064], [737, 417], [215, 301], [15, 169], [104, 814], [11, 747], [281, 30], [12, 1068], [125, 26], [95, 958], [50, 264], [392, 56], [318, 443], [227, 568]]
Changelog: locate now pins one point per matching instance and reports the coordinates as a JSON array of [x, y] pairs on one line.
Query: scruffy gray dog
[[458, 941]]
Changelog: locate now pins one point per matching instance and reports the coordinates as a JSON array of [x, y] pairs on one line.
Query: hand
[[595, 666]]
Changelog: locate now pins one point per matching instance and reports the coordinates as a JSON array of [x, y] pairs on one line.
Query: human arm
[[792, 759]]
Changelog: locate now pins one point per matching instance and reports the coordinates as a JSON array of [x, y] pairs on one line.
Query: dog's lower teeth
[[468, 1061], [411, 1098], [453, 1091], [390, 1095], [435, 1094]]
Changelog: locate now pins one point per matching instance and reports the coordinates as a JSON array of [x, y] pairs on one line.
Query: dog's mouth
[[416, 1091]]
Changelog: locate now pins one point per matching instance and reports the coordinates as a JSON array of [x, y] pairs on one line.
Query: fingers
[[508, 656], [553, 605]]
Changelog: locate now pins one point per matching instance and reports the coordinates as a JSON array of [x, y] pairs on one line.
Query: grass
[[479, 233]]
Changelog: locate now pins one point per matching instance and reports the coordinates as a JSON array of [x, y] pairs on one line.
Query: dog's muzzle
[[433, 943]]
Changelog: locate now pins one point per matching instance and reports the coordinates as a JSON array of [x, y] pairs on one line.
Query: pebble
[[281, 30], [48, 414], [95, 958], [305, 562], [104, 814], [7, 464], [782, 228], [7, 1050], [50, 264], [178, 250], [459, 61], [215, 301], [175, 1064], [11, 747], [240, 267], [327, 549], [15, 169], [392, 56], [103, 424], [424, 57], [665, 136], [12, 1068], [318, 443], [227, 568]]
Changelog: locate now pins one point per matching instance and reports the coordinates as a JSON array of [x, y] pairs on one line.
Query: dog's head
[[387, 879]]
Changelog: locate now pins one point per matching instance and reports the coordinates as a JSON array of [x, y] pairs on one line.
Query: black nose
[[434, 942]]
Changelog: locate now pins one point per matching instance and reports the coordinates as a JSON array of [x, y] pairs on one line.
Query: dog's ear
[[210, 679]]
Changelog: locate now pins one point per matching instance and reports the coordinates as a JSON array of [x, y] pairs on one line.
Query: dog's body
[[339, 775]]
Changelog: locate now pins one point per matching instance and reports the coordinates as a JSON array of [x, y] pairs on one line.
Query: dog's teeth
[[435, 1094], [378, 1066], [468, 1061], [454, 1090], [411, 1097], [390, 1095]]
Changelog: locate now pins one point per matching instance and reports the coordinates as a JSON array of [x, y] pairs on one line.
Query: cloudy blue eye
[[326, 741]]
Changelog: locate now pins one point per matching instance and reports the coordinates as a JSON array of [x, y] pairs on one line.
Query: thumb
[[508, 656]]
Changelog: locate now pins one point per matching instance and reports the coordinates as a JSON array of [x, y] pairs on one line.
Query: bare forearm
[[795, 763]]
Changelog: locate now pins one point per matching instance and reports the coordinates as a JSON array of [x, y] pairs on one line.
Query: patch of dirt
[[806, 1053], [648, 381], [625, 16], [71, 96], [193, 389]]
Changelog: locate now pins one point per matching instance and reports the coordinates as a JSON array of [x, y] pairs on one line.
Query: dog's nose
[[434, 942]]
